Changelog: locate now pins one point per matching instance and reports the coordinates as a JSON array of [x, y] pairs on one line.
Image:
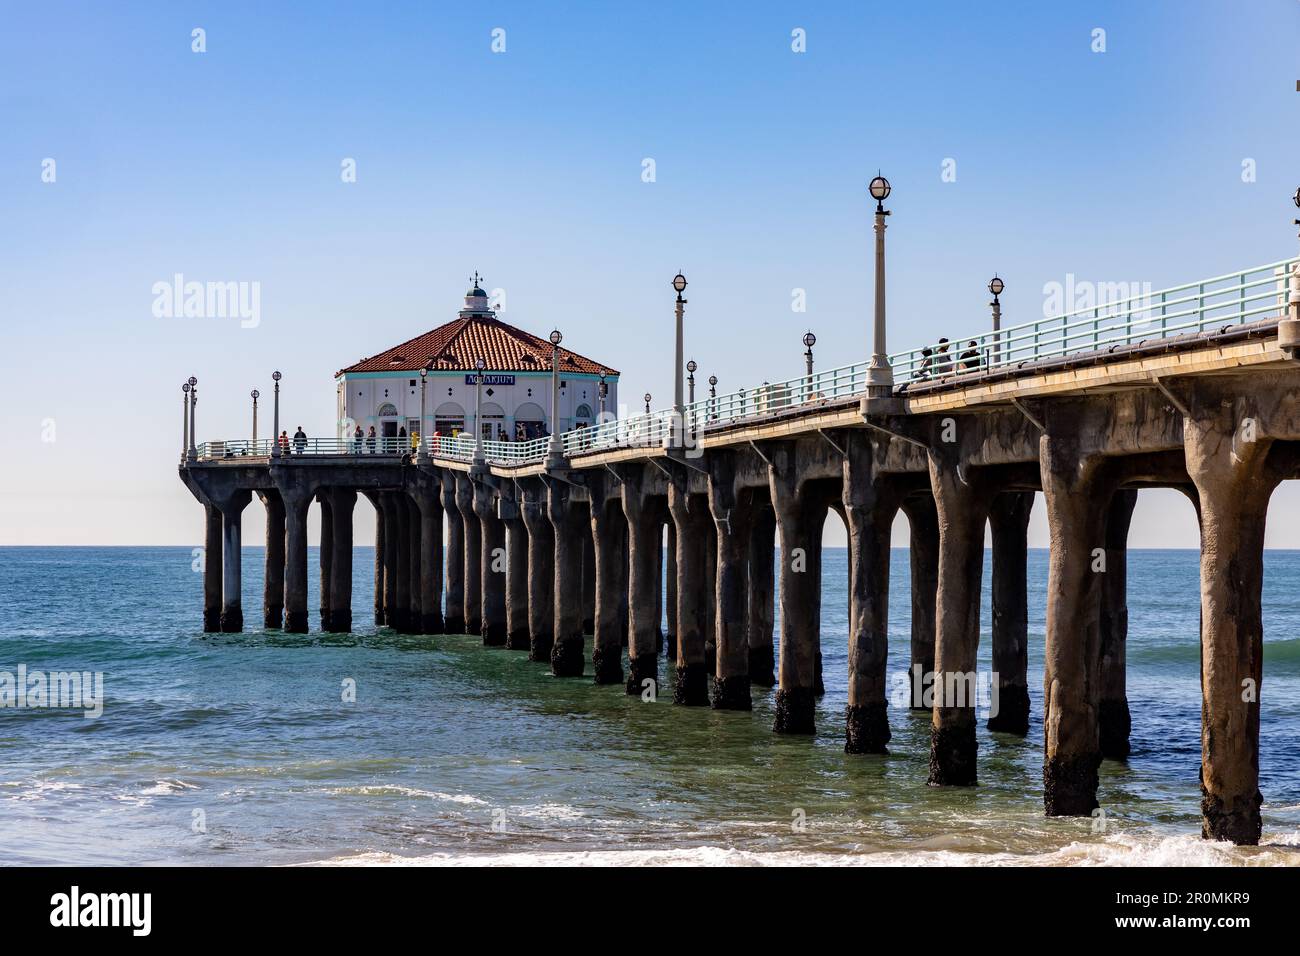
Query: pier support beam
[[607, 531], [454, 559], [516, 572], [297, 499], [325, 557], [870, 504], [342, 503], [473, 555], [415, 607], [428, 504], [402, 621], [1077, 489], [961, 504], [212, 562], [732, 512], [644, 543], [374, 499], [541, 570], [1113, 718], [799, 522], [571, 525], [232, 519], [666, 591], [760, 612], [392, 544], [492, 564], [923, 525], [1009, 527], [1235, 472], [588, 586], [691, 518], [273, 571]]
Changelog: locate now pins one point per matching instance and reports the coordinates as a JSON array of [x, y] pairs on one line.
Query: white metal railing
[[1209, 305]]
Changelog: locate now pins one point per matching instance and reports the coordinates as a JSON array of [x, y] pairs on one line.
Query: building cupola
[[476, 300]]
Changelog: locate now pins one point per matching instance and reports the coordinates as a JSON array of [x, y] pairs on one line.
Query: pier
[[536, 545]]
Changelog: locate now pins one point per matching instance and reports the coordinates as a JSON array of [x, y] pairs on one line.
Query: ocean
[[241, 749]]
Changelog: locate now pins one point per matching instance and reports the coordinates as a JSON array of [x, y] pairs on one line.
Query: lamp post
[[555, 451], [647, 402], [880, 377], [192, 453], [423, 453], [1294, 298], [185, 420], [479, 456], [603, 391], [679, 285], [809, 340], [255, 394], [275, 432], [690, 381], [996, 286], [713, 396]]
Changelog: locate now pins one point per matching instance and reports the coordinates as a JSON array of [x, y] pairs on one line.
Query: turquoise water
[[240, 749]]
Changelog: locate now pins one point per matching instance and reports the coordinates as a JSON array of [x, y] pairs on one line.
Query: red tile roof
[[460, 343]]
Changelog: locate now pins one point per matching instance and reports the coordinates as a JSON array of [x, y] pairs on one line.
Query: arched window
[[449, 419], [387, 410], [582, 416]]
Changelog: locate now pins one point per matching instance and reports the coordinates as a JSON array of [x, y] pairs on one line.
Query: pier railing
[[1202, 307]]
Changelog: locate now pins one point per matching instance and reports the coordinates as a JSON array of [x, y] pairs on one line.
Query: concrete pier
[[1212, 415], [1009, 527]]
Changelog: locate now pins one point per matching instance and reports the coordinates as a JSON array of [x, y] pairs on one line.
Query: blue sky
[[527, 166]]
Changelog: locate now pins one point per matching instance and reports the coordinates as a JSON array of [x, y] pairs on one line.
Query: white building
[[384, 390]]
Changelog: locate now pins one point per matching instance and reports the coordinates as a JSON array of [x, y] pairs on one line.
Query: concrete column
[[211, 569], [666, 593], [1234, 478], [607, 554], [415, 564], [374, 499], [541, 571], [1113, 722], [760, 611], [516, 579], [392, 544], [624, 569], [710, 604], [454, 558], [403, 564], [473, 555], [492, 565], [644, 527], [869, 509], [342, 503], [923, 521], [732, 513], [295, 560], [571, 526], [1009, 526], [815, 569], [691, 518], [232, 517], [1077, 492], [589, 587], [325, 558], [273, 573], [799, 525], [428, 503], [962, 507]]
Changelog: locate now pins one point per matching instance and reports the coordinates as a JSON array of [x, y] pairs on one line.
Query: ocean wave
[[1119, 850]]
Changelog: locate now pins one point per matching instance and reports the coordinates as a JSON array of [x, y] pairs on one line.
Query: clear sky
[[527, 165]]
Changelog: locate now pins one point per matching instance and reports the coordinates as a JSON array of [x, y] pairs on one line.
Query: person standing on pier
[[300, 441], [357, 437]]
